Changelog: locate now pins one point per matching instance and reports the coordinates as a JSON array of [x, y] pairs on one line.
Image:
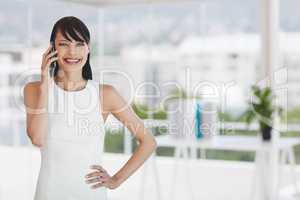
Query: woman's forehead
[[60, 36]]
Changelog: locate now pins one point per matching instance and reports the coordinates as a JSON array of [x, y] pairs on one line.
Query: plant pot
[[266, 133]]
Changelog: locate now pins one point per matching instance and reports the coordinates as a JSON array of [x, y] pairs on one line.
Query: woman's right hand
[[46, 62]]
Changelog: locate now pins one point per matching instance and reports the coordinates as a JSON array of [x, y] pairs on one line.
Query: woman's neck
[[70, 82]]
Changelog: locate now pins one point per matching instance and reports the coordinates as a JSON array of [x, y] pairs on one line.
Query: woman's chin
[[72, 68]]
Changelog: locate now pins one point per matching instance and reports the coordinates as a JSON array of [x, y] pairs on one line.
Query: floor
[[195, 179]]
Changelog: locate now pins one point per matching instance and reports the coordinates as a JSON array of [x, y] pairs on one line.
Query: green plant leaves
[[261, 107]]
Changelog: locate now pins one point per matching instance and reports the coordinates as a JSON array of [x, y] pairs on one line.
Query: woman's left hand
[[101, 178]]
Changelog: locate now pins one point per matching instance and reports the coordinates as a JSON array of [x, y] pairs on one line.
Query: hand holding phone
[[48, 58]]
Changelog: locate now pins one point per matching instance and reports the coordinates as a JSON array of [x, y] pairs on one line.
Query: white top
[[74, 141]]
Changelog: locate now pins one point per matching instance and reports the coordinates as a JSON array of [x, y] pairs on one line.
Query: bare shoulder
[[30, 93], [32, 86], [107, 90], [110, 97]]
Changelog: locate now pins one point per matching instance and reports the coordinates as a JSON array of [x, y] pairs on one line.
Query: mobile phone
[[52, 65]]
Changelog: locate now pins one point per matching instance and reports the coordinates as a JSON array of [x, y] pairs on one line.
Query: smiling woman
[[72, 108], [71, 39]]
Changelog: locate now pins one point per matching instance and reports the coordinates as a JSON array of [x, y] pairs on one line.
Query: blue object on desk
[[198, 131]]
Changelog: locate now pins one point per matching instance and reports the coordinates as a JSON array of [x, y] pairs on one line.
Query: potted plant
[[261, 109]]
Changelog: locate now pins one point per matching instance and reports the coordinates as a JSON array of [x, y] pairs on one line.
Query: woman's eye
[[62, 44], [80, 44]]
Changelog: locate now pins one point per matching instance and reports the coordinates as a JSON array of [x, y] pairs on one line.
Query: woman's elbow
[[38, 143], [34, 140], [153, 143]]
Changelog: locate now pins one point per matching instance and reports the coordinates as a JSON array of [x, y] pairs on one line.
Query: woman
[[66, 112]]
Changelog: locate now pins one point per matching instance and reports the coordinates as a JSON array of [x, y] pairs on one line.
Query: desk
[[237, 143]]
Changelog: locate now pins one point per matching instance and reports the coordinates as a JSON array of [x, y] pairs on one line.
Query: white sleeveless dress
[[74, 141]]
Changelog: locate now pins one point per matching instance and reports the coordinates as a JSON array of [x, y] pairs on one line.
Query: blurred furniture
[[181, 127], [262, 151], [181, 136]]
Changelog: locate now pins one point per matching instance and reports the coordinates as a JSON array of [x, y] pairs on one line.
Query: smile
[[72, 61]]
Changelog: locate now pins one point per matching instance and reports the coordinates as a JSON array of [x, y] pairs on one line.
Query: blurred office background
[[215, 41]]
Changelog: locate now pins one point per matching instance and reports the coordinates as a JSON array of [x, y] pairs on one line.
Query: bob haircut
[[77, 30]]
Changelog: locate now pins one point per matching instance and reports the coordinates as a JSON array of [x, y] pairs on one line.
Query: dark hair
[[77, 30]]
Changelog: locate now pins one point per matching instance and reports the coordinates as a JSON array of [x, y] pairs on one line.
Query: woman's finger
[[46, 59], [47, 65], [97, 173], [48, 50], [51, 55], [104, 179], [94, 180], [51, 60], [98, 167]]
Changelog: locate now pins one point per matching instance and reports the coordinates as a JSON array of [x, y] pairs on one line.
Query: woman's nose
[[72, 50]]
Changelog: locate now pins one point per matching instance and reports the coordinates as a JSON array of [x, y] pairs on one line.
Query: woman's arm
[[113, 103], [35, 101], [147, 144]]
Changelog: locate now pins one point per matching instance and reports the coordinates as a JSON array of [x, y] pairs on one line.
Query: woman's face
[[71, 55]]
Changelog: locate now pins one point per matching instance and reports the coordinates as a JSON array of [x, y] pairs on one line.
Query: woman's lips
[[72, 60]]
